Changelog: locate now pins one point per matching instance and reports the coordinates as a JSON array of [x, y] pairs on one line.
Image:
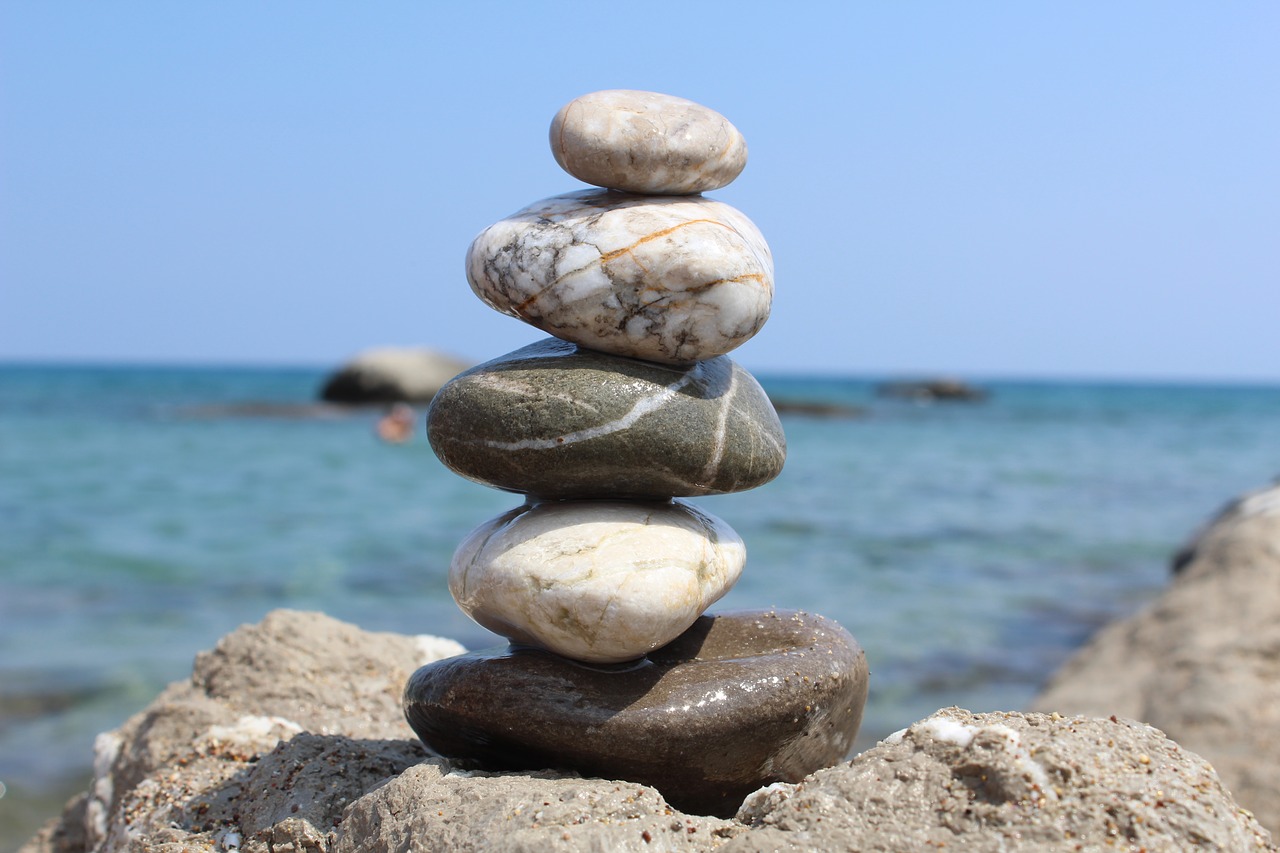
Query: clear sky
[[1082, 189]]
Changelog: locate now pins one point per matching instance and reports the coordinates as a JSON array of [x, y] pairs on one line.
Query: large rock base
[[223, 762]]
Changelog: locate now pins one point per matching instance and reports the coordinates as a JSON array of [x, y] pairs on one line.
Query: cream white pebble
[[646, 142], [596, 581]]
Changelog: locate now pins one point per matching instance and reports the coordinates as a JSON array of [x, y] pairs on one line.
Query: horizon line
[[815, 373]]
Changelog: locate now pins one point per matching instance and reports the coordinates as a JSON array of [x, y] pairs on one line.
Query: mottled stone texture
[[196, 771], [674, 280], [558, 421], [1007, 783], [646, 142], [738, 701]]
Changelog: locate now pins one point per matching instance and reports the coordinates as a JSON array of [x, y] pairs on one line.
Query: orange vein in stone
[[706, 285], [562, 126], [606, 257], [751, 276], [617, 253]]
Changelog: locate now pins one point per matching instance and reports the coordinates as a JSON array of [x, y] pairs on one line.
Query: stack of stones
[[601, 578]]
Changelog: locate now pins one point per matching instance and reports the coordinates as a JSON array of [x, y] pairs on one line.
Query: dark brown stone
[[738, 701]]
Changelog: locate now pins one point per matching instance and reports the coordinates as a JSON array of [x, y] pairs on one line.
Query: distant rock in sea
[[933, 390], [1202, 662], [289, 736], [263, 409], [816, 408], [391, 375]]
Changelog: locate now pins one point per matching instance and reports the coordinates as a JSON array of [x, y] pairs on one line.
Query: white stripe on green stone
[[638, 411]]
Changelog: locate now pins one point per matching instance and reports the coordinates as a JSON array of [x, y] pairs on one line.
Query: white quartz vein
[[638, 411], [721, 432], [521, 388]]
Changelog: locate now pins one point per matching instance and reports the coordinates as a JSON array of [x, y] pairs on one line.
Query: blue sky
[[986, 189]]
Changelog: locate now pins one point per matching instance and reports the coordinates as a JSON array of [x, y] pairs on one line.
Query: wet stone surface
[[738, 701]]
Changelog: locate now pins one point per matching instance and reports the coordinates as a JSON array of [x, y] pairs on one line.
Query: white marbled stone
[[673, 279], [596, 581], [646, 142]]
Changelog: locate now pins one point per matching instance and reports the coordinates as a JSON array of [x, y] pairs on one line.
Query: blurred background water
[[969, 547]]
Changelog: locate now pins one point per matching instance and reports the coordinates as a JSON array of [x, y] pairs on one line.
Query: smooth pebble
[[596, 581], [646, 142], [739, 701], [558, 421], [673, 280]]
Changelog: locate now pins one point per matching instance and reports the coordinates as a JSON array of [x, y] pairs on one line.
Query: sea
[[145, 511]]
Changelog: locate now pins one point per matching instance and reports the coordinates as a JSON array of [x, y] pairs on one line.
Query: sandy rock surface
[[193, 757], [1007, 781], [289, 737], [1202, 662]]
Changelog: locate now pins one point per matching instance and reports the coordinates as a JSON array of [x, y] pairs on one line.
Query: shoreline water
[[969, 548]]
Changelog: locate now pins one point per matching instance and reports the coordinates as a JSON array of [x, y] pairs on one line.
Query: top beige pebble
[[645, 142]]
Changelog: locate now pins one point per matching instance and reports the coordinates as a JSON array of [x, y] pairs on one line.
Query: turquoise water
[[969, 548]]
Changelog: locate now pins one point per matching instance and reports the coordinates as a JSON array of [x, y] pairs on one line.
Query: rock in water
[[1202, 662], [738, 701], [597, 581], [673, 280], [557, 421], [391, 375], [645, 142], [933, 390]]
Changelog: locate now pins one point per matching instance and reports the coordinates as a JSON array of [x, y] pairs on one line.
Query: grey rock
[[557, 421], [63, 834], [263, 683], [989, 783], [973, 782], [1202, 662], [738, 701], [334, 769], [265, 409], [391, 375], [817, 409], [430, 808], [931, 390]]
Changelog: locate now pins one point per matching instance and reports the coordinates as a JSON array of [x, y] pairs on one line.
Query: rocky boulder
[[1202, 662], [391, 375], [289, 736], [1002, 782]]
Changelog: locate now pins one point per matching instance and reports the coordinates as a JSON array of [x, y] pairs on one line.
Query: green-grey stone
[[557, 421]]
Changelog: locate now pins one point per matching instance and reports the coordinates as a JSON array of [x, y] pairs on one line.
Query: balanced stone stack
[[601, 578]]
